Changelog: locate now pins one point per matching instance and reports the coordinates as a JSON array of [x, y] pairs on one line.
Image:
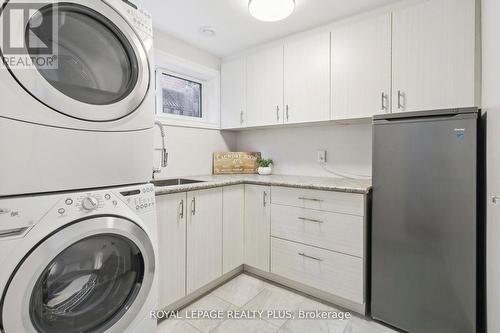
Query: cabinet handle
[[181, 208], [310, 257], [286, 112], [277, 113], [401, 96], [495, 199], [310, 199], [193, 206], [383, 101], [305, 219], [264, 198], [241, 117]]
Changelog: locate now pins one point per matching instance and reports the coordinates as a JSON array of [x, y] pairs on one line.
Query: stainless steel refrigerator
[[425, 221]]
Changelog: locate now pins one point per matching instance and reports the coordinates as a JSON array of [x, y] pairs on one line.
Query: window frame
[[208, 78], [162, 71]]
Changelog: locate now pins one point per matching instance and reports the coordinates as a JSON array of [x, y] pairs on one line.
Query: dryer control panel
[[140, 19]]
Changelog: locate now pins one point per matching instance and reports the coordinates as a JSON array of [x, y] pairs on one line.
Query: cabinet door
[[171, 216], [257, 226], [361, 68], [265, 87], [204, 238], [434, 55], [233, 216], [307, 79], [233, 91]]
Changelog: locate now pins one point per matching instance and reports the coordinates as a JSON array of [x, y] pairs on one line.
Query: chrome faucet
[[164, 153]]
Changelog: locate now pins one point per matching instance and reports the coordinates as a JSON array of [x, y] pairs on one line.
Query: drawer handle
[[310, 199], [305, 219], [309, 257]]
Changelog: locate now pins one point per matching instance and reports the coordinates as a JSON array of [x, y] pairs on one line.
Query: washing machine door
[[92, 276], [99, 70]]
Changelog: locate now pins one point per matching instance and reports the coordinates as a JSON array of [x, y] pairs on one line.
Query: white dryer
[[88, 121], [79, 262]]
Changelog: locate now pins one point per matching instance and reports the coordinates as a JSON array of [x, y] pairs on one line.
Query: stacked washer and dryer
[[77, 217]]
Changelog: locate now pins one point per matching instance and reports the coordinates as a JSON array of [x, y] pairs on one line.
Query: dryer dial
[[90, 203]]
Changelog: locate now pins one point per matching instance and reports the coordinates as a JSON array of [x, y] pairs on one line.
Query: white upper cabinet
[[434, 55], [265, 87], [307, 78], [233, 93], [361, 68]]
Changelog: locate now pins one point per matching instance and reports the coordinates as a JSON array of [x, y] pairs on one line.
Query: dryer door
[[92, 276], [87, 60]]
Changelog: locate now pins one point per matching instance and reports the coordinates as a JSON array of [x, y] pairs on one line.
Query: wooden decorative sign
[[235, 162]]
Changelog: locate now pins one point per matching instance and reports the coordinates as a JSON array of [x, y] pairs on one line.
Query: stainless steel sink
[[173, 182]]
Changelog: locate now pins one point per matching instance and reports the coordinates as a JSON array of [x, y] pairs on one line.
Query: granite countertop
[[362, 186]]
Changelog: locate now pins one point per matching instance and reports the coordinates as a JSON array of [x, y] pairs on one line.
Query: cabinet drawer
[[339, 202], [333, 231], [332, 272]]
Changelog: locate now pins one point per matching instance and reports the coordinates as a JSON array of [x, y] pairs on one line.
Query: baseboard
[[200, 293], [317, 294], [294, 286]]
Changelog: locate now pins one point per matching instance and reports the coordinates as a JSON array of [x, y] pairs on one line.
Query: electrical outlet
[[321, 156]]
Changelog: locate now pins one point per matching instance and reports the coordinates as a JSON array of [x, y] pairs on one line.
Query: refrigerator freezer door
[[424, 223]]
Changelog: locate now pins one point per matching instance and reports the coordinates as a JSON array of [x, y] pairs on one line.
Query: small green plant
[[264, 163]]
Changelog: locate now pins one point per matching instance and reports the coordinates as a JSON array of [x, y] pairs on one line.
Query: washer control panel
[[19, 214], [140, 199]]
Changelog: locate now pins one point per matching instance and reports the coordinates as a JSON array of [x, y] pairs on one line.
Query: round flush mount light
[[208, 31], [271, 10]]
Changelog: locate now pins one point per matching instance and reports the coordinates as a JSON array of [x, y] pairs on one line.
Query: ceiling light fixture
[[271, 10]]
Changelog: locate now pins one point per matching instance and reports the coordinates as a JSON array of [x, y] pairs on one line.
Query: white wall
[[294, 150], [491, 104], [190, 149]]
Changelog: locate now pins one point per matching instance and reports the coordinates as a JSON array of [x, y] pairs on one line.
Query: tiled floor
[[248, 293]]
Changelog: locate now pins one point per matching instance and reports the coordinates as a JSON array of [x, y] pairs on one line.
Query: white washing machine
[[87, 122], [79, 261]]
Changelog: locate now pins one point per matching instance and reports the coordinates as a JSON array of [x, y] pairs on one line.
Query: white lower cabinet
[[257, 226], [332, 231], [233, 236], [318, 240], [204, 238], [328, 271], [310, 237], [171, 217]]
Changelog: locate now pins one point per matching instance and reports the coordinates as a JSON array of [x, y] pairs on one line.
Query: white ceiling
[[236, 29]]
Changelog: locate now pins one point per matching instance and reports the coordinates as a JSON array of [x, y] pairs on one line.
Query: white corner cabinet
[[257, 226], [233, 229], [415, 56], [310, 240], [233, 93]]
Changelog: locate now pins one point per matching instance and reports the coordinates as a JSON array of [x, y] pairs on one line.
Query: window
[[187, 94], [181, 96]]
